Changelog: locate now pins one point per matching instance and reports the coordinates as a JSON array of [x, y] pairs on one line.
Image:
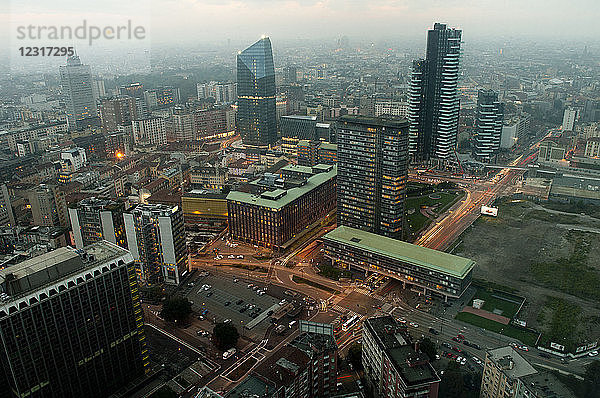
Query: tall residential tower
[[488, 125], [372, 156], [434, 102], [256, 115]]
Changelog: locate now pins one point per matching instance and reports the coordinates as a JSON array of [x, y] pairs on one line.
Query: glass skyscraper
[[434, 102], [256, 117]]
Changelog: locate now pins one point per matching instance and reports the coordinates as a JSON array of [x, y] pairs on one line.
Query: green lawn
[[299, 279], [418, 221], [493, 300], [525, 336]]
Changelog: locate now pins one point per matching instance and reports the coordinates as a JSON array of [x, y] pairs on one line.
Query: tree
[[225, 336], [452, 384], [428, 347], [592, 378], [176, 309], [355, 356]]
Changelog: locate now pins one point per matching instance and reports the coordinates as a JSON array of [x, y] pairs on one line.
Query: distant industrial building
[[274, 217], [372, 158], [71, 324], [156, 239], [431, 270], [393, 366]]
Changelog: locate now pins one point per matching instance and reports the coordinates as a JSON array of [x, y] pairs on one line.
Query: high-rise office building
[[488, 125], [372, 156], [569, 118], [76, 84], [120, 111], [156, 239], [94, 219], [257, 116], [136, 91], [71, 324], [434, 103]]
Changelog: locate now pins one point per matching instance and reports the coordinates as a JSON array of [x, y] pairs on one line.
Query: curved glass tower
[[256, 117]]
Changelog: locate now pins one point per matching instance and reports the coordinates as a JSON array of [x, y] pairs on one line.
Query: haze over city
[[300, 199]]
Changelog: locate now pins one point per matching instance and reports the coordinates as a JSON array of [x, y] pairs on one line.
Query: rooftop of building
[[381, 121], [545, 385], [311, 343], [386, 331], [300, 117], [252, 386], [279, 198], [56, 265], [414, 367], [510, 362], [327, 146], [204, 194], [424, 257], [154, 208], [283, 366]]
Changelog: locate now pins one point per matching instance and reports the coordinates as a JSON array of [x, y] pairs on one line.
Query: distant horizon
[[193, 21]]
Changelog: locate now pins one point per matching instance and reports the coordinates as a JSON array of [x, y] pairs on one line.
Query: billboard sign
[[557, 346], [489, 211]]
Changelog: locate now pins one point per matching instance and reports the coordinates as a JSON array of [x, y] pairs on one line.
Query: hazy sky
[[210, 20]]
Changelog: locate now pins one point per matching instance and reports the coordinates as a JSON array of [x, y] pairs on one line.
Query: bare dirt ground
[[505, 249]]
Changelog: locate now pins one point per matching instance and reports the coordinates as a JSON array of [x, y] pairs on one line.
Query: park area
[[425, 202], [546, 256]]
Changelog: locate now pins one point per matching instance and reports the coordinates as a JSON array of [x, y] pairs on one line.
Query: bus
[[349, 323]]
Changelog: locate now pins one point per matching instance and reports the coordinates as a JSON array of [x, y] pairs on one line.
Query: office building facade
[[488, 125], [433, 103], [76, 86], [273, 218], [71, 324], [372, 157], [94, 219], [432, 271], [156, 239], [115, 112], [256, 115]]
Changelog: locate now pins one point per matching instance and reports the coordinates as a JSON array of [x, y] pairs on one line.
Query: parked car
[[433, 331], [229, 353]]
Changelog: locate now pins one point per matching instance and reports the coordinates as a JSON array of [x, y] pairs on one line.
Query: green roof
[[281, 197], [406, 252]]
